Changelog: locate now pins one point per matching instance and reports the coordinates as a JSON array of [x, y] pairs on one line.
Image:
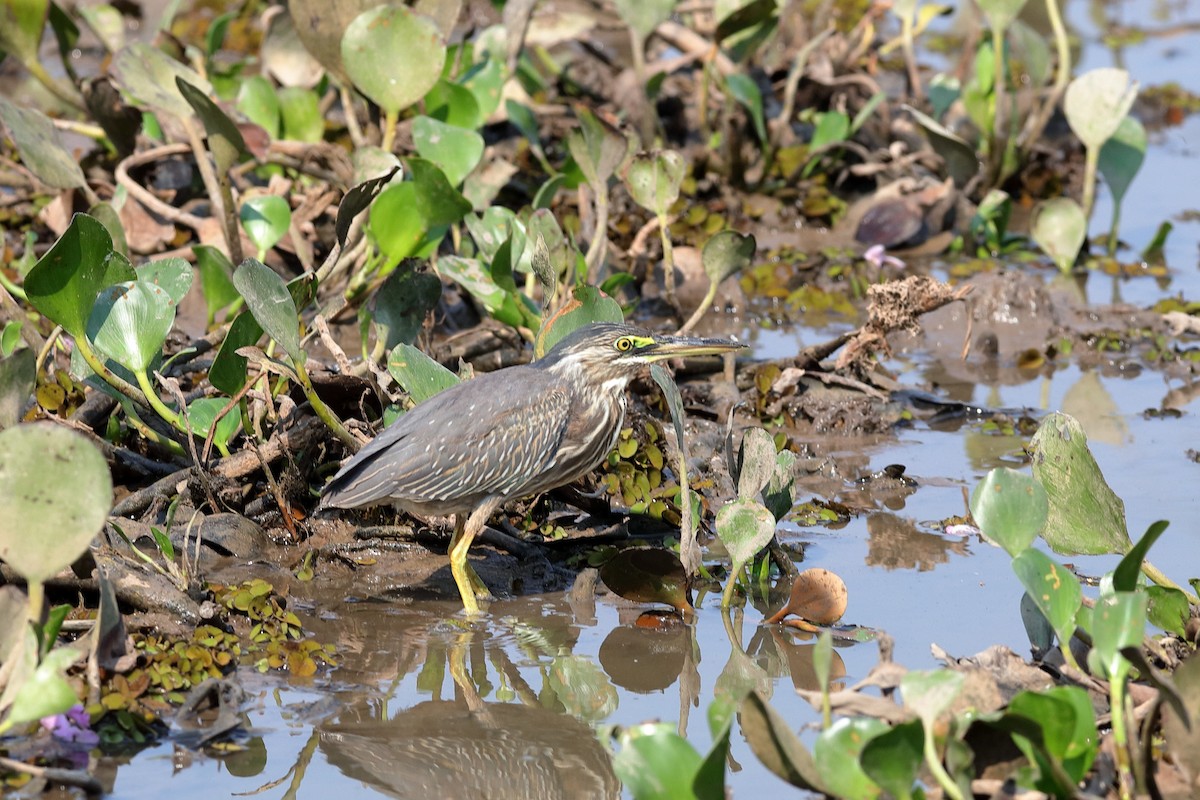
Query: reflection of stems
[[935, 766], [300, 768], [597, 250], [156, 402], [323, 411], [1112, 233], [390, 120]]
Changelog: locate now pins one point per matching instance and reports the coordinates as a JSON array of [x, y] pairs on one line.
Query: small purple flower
[[72, 726], [878, 257]]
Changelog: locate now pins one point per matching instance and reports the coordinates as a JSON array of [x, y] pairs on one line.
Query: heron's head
[[604, 352]]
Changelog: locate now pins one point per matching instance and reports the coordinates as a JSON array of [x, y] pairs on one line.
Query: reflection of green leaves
[[130, 322], [582, 688], [393, 55], [268, 299], [418, 375], [36, 140], [64, 283], [1059, 227], [56, 492], [1010, 508], [648, 575], [265, 218]]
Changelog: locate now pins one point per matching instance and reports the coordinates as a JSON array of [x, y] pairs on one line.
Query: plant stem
[[213, 188], [36, 593], [390, 120], [157, 404], [668, 260], [60, 91], [598, 248], [727, 592], [1090, 165], [1112, 233], [1116, 701], [111, 378], [323, 411], [705, 304], [1062, 75], [934, 762], [1153, 573], [998, 135]]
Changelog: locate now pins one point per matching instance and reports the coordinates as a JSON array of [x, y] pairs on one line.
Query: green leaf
[[643, 16], [201, 413], [486, 82], [1125, 577], [374, 169], [836, 753], [746, 91], [300, 115], [1121, 157], [228, 371], [130, 323], [456, 151], [654, 179], [1053, 588], [216, 279], [1000, 13], [393, 56], [148, 74], [47, 691], [755, 464], [172, 275], [656, 763], [893, 759], [1096, 102], [1086, 516], [224, 139], [587, 305], [10, 335], [1059, 227], [453, 104], [745, 527], [830, 127], [1010, 508], [1168, 609], [726, 253], [1118, 621], [63, 285], [36, 140], [962, 162], [21, 25], [18, 376], [107, 216], [930, 693], [776, 745], [597, 147], [401, 304], [1068, 727], [56, 492], [268, 299], [418, 375], [265, 218], [258, 100]]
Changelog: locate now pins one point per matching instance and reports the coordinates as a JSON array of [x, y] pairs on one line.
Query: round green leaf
[[36, 140], [1000, 13], [47, 691], [1010, 508], [130, 323], [654, 179], [455, 150], [643, 16], [418, 374], [258, 100], [655, 761], [393, 56], [836, 754], [266, 218], [64, 283], [172, 275], [454, 104], [56, 492], [1053, 588], [744, 527], [1059, 227], [727, 253], [893, 759], [930, 692], [201, 413], [1096, 102], [300, 115], [268, 299]]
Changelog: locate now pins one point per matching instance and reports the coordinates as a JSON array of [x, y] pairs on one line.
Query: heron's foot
[[471, 587], [482, 592]]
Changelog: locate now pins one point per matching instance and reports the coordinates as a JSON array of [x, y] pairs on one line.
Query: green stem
[[1090, 165], [43, 77], [934, 762], [668, 260], [149, 434], [323, 411], [111, 378], [390, 120], [1116, 699], [1155, 574], [598, 249], [157, 404], [37, 596], [998, 134], [727, 593], [705, 304], [1112, 233]]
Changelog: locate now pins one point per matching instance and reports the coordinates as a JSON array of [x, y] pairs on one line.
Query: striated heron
[[506, 435]]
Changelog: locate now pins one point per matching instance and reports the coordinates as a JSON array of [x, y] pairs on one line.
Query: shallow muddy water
[[424, 704]]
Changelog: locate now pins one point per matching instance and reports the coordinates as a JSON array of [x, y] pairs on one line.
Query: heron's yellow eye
[[624, 344]]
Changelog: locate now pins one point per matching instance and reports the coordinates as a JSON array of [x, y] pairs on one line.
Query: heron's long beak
[[665, 347]]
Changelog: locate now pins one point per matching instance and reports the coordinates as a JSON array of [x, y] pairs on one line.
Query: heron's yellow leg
[[470, 585]]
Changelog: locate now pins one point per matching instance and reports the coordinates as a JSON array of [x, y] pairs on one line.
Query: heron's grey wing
[[440, 449]]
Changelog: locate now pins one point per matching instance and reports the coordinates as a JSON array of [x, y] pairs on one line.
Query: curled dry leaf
[[818, 596]]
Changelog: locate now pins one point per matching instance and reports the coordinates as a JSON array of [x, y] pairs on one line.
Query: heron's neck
[[613, 383]]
